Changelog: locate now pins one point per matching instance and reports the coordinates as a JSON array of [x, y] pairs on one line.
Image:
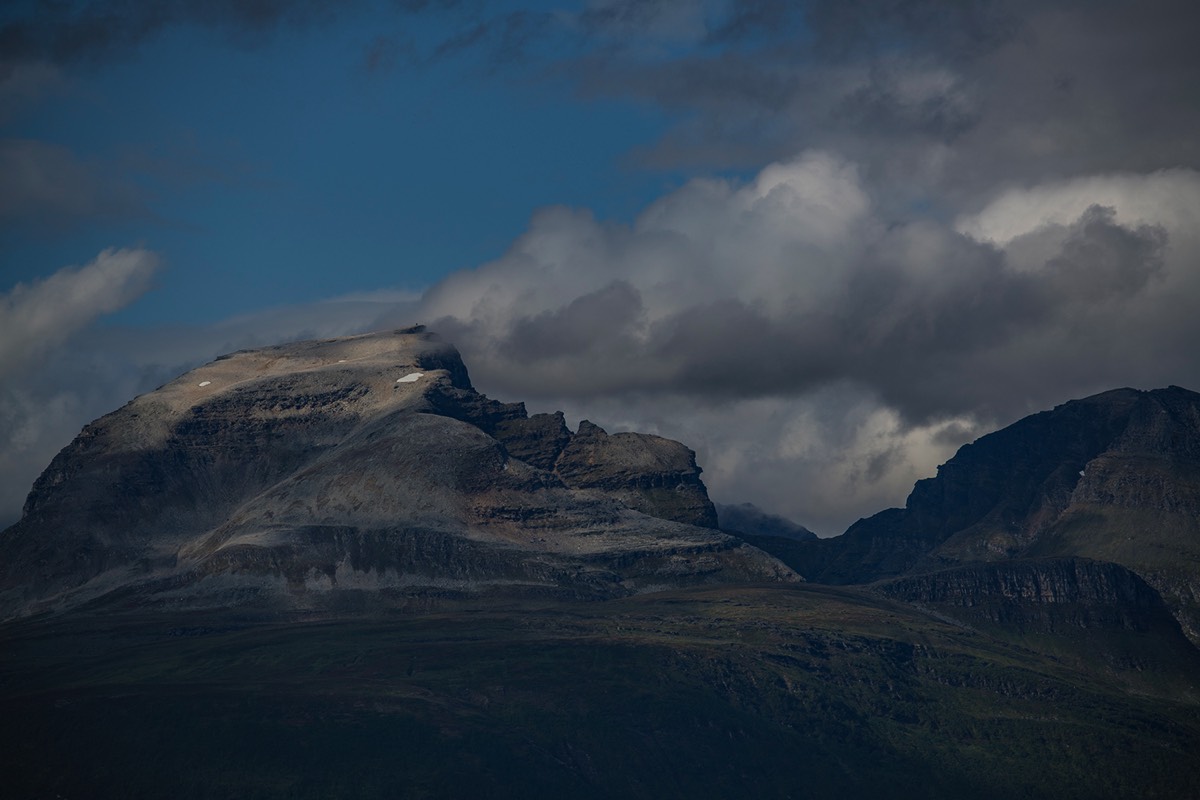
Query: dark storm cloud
[[955, 30], [941, 96], [603, 320], [1101, 260], [91, 31], [62, 32], [935, 99]]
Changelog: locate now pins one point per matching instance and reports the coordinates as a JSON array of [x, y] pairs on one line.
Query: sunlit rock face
[[357, 470]]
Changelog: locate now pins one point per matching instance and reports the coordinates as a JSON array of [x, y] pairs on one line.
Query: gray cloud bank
[[936, 100], [819, 357]]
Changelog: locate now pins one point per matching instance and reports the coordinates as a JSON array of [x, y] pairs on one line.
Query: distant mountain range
[[333, 569]]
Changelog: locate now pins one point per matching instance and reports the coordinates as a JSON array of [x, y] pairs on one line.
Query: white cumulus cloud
[[36, 317]]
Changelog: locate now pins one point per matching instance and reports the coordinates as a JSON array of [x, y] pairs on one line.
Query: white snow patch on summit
[[205, 383], [411, 377]]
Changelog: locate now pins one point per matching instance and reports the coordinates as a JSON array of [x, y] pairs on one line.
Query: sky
[[824, 243]]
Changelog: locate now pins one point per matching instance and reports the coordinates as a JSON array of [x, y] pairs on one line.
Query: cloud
[[36, 320], [22, 84], [819, 356], [1162, 197], [98, 30], [823, 458], [935, 100], [791, 282], [37, 317], [59, 371], [994, 210]]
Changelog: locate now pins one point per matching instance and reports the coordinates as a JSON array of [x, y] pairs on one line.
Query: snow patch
[[205, 383], [411, 377]]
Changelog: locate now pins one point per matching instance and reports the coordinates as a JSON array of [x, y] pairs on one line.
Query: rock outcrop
[[654, 475], [357, 470]]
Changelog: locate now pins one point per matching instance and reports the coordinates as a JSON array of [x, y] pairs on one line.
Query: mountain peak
[[303, 474]]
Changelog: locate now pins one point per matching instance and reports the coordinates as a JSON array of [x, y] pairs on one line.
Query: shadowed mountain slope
[[1114, 477]]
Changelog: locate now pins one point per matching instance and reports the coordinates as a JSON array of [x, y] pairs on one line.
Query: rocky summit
[[362, 470]]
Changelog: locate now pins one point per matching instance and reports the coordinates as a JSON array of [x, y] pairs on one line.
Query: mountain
[[334, 569], [1114, 477], [354, 471]]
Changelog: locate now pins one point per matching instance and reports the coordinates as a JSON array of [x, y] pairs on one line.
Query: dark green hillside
[[717, 692]]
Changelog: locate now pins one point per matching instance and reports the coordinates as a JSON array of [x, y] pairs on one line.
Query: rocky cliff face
[[1114, 477], [364, 469], [1099, 615]]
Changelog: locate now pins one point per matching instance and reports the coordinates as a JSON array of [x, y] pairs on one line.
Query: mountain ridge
[[1113, 477]]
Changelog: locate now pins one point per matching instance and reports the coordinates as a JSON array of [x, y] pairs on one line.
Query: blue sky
[[288, 170], [824, 243]]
